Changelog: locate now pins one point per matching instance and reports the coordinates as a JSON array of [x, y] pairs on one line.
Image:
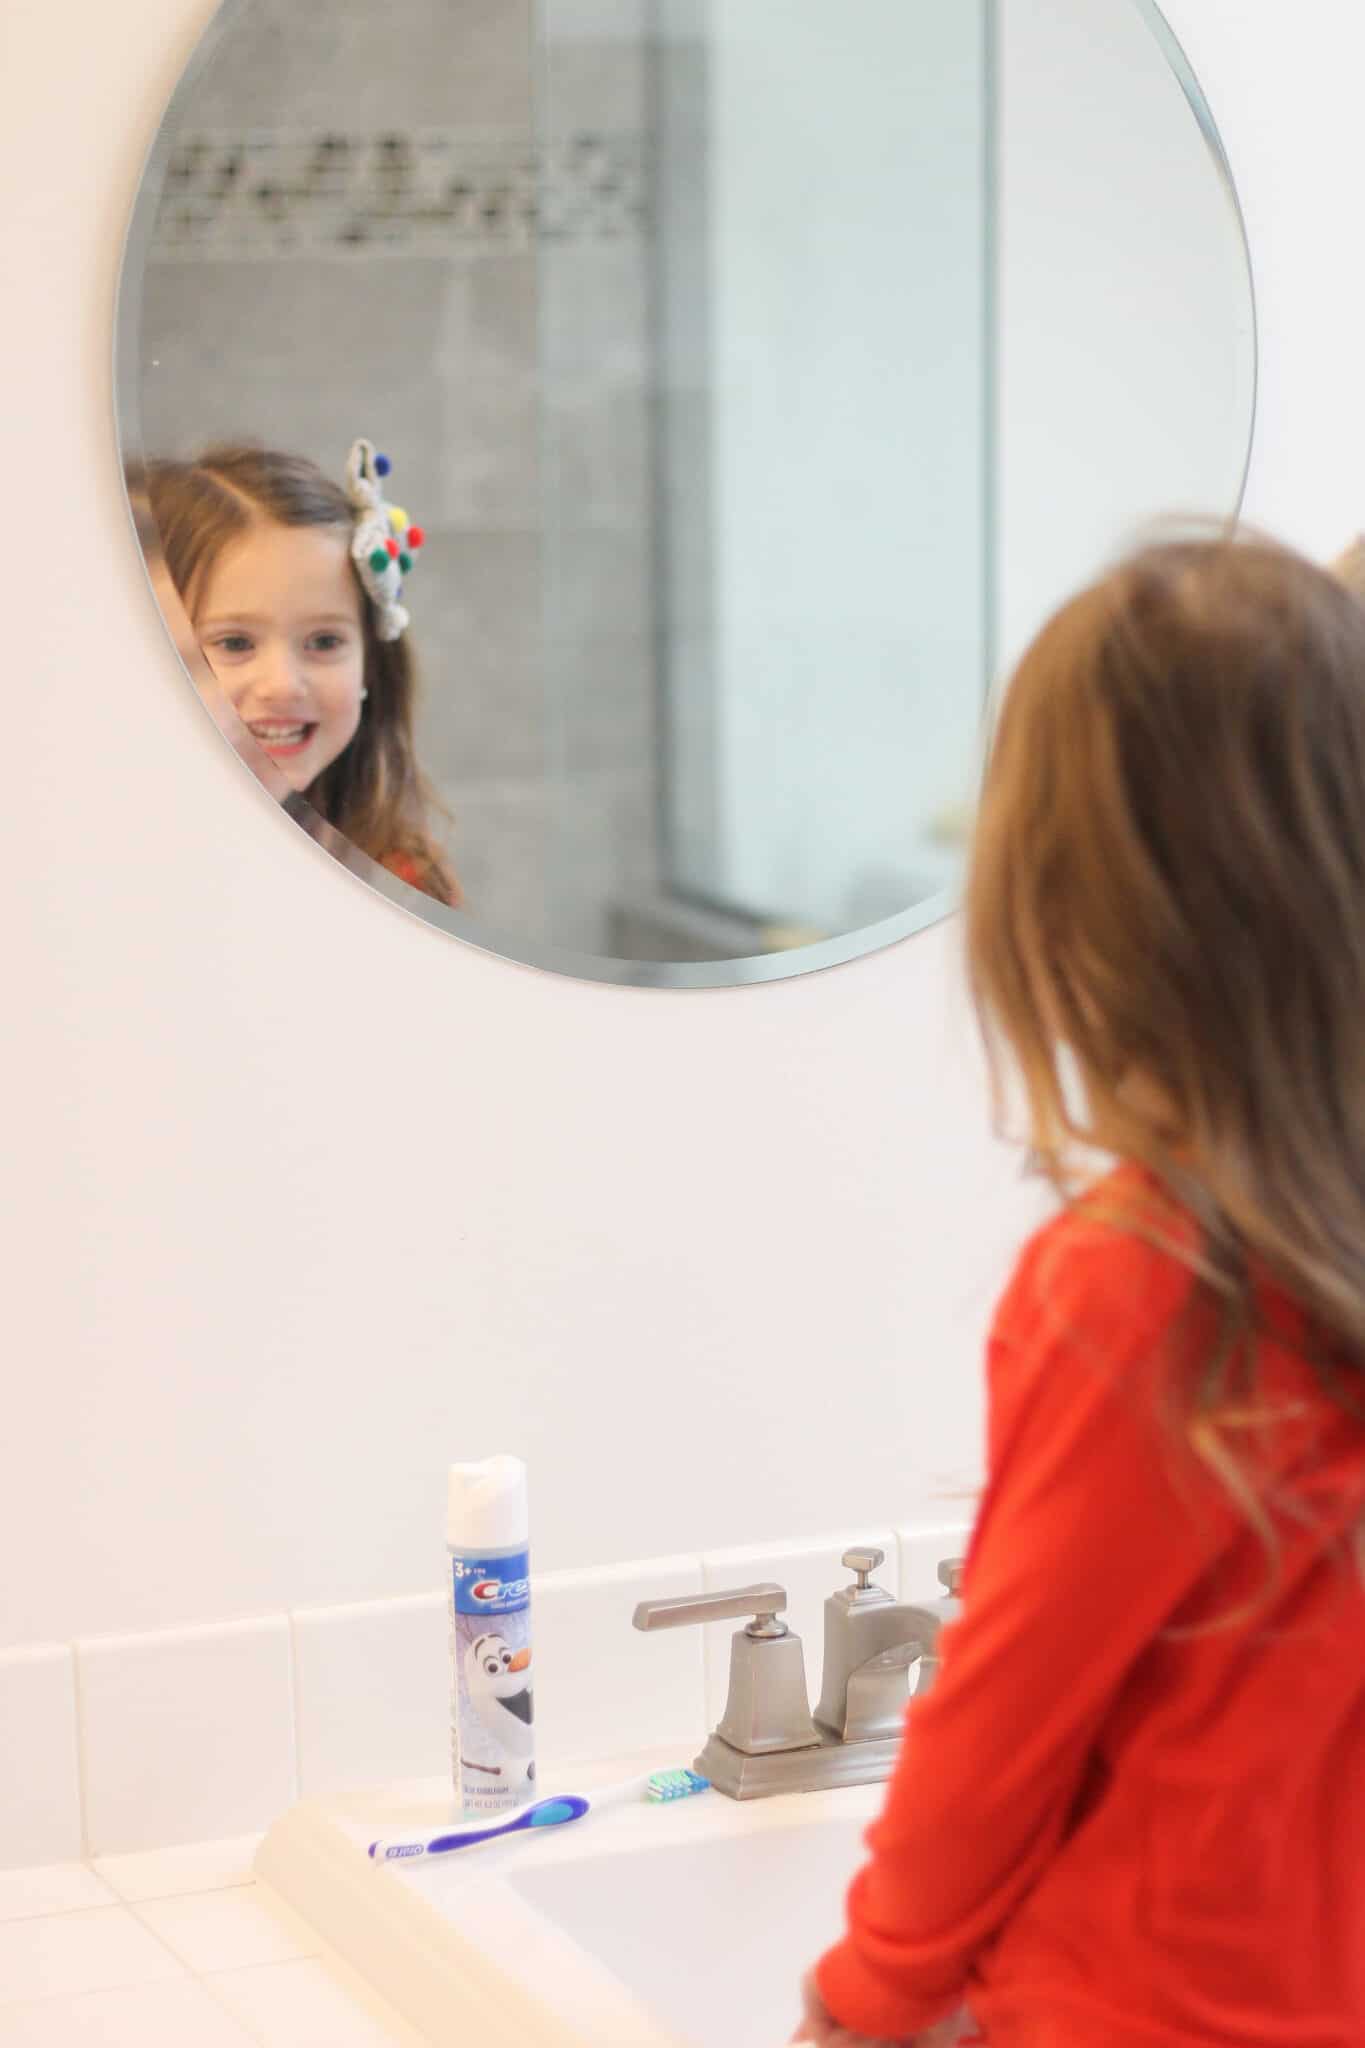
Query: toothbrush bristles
[[676, 1784]]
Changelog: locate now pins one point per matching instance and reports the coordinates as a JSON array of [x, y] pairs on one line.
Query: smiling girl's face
[[279, 621]]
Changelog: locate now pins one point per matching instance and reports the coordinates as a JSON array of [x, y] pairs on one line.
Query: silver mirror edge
[[1186, 77]]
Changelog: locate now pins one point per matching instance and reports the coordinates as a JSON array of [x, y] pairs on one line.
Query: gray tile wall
[[286, 65], [507, 370]]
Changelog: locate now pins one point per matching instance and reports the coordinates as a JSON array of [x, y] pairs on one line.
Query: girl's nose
[[278, 679]]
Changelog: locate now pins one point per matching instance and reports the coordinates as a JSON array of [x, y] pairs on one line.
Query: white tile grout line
[[294, 1771], [359, 1993], [82, 1760], [623, 1565], [130, 1906], [247, 2026]]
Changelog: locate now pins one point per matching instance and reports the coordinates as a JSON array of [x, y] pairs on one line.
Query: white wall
[[848, 298], [303, 1199], [1124, 305]]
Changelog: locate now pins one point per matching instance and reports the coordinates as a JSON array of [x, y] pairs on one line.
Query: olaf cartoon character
[[497, 1678]]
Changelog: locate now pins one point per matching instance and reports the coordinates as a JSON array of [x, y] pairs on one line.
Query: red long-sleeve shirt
[[1105, 1830]]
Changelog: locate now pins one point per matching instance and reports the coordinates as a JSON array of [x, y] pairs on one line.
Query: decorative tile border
[[428, 193]]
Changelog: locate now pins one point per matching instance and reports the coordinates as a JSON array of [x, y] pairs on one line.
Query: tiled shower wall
[[431, 224]]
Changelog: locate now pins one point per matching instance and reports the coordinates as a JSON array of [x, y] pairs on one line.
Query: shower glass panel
[[767, 456]]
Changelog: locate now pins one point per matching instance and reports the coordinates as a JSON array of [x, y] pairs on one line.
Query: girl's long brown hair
[[1167, 897], [374, 791]]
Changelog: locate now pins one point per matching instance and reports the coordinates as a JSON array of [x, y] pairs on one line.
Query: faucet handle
[[950, 1575], [763, 1602], [862, 1560]]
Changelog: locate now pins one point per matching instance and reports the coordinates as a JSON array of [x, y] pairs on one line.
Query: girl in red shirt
[[1131, 1813], [294, 600]]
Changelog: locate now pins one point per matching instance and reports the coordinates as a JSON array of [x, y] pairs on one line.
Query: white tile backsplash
[[372, 1687], [602, 1687], [187, 1734], [810, 1571], [191, 1742], [922, 1551], [40, 1801]]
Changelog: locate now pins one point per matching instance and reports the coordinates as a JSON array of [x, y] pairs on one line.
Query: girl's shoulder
[[423, 872], [1124, 1249], [403, 864]]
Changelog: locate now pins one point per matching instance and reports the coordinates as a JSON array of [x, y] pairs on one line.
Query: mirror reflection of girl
[[259, 546], [1131, 1811]]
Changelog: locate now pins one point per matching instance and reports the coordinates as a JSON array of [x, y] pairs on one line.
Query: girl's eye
[[327, 643], [232, 643]]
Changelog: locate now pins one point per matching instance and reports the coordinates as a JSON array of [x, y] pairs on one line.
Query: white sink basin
[[710, 1935], [681, 1926]]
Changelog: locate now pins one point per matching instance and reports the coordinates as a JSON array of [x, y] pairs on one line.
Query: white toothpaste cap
[[486, 1506]]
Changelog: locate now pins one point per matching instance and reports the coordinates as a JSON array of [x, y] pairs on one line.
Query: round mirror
[[595, 457]]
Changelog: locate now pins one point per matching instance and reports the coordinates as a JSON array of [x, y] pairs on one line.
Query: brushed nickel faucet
[[768, 1740]]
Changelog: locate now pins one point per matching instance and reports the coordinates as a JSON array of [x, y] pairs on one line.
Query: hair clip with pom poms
[[384, 542]]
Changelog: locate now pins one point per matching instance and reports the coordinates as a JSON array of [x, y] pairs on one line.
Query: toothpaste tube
[[492, 1728]]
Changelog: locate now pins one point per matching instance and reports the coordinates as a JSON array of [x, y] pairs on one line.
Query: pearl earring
[[364, 693]]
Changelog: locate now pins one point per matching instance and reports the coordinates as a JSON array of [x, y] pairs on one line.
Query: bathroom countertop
[[168, 1948]]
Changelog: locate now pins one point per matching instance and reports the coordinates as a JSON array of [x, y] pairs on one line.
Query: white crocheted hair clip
[[384, 541]]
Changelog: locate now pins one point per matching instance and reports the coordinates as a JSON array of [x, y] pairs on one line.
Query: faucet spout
[[871, 1641], [879, 1691]]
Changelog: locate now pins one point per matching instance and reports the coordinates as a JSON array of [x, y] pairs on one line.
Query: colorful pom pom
[[405, 563], [392, 547], [379, 560], [382, 465], [398, 518], [416, 536]]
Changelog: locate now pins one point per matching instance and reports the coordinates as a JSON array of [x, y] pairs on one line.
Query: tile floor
[[168, 1948]]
